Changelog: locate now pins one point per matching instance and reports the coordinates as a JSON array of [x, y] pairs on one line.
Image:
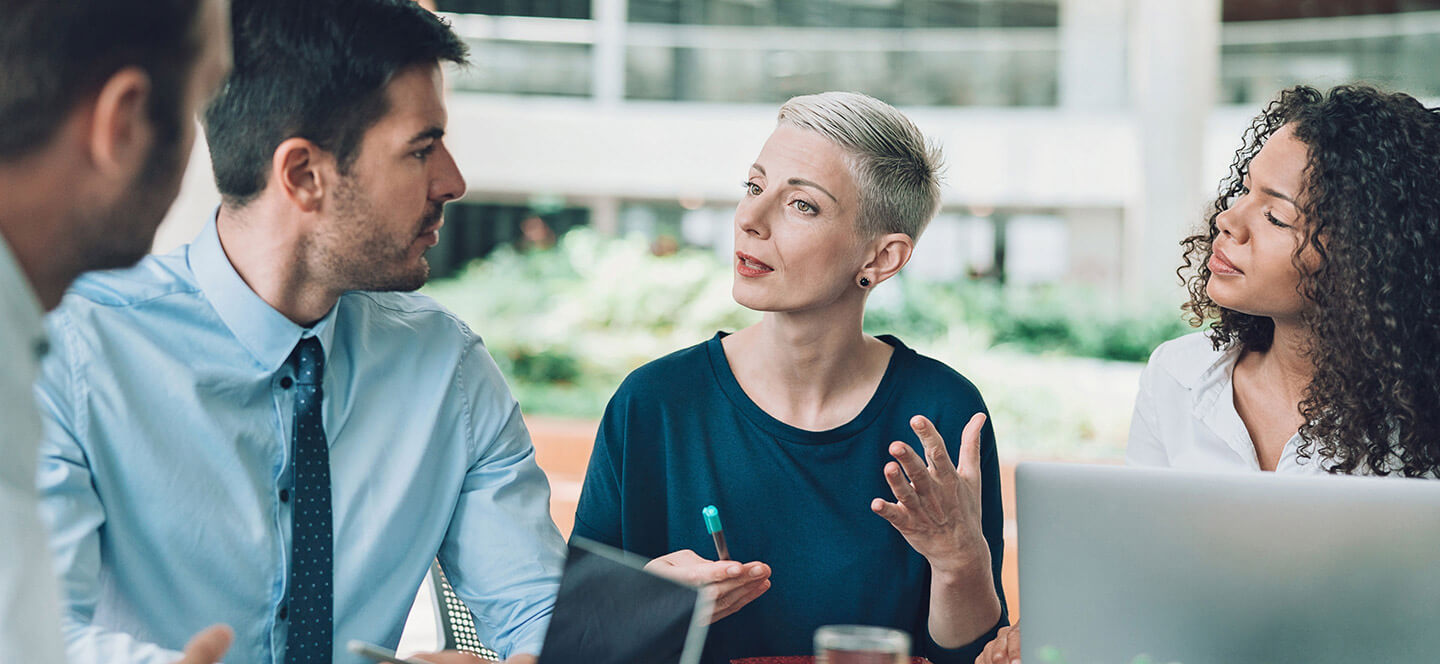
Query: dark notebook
[[611, 611]]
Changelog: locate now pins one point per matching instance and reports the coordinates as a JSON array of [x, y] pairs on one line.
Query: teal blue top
[[680, 435]]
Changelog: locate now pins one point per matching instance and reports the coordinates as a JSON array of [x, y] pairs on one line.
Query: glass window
[[850, 13], [905, 78], [526, 68], [1392, 50], [536, 8]]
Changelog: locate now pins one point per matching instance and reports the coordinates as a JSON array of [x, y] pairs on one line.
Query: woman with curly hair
[[1318, 272]]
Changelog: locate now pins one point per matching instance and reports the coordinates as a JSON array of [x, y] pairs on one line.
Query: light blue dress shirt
[[167, 446]]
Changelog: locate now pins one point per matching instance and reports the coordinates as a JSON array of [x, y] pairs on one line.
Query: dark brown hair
[[53, 55]]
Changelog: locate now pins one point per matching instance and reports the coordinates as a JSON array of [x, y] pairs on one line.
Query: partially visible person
[[535, 234], [858, 478], [264, 426], [1319, 274], [97, 107]]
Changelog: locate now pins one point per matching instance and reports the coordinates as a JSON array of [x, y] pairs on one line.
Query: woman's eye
[[1275, 221], [751, 188], [804, 207]]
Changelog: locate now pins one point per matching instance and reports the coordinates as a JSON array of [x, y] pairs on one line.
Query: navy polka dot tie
[[310, 605]]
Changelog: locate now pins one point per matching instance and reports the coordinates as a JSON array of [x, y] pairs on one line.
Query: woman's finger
[[738, 599], [904, 492], [933, 444], [895, 513], [970, 446], [914, 467], [730, 592], [686, 566]]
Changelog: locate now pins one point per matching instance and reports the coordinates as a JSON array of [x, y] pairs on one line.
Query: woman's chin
[[747, 297], [753, 305], [1223, 297]]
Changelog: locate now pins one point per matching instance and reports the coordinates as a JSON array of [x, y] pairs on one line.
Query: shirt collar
[[266, 333], [18, 301], [1209, 376], [1212, 388]]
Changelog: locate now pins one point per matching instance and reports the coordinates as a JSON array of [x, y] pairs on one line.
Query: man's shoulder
[[403, 312], [154, 277]]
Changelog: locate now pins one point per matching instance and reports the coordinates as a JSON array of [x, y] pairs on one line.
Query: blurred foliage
[[567, 324], [1062, 319], [1057, 365]]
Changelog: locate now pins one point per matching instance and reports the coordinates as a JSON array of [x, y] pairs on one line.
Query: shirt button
[[284, 495], [284, 612], [286, 382]]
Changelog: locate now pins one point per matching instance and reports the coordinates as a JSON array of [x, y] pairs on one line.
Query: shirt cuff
[[965, 654]]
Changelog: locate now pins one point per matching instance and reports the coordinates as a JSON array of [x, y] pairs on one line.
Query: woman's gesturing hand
[[733, 584], [937, 503]]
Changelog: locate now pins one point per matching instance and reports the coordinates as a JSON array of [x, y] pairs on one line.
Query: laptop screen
[[1131, 565]]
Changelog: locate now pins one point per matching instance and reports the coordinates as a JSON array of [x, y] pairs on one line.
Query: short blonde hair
[[896, 170]]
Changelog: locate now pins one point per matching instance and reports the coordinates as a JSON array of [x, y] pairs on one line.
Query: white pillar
[[608, 53], [605, 214], [1094, 242], [1093, 38], [1174, 58]]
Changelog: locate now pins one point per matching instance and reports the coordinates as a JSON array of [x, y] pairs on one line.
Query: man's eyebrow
[[433, 133]]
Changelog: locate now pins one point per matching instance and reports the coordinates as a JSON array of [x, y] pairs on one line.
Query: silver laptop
[[1122, 565], [611, 611]]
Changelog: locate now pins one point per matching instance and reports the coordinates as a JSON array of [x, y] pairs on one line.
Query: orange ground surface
[[562, 448]]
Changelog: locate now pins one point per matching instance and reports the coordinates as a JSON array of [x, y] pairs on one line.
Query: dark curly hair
[[1372, 208]]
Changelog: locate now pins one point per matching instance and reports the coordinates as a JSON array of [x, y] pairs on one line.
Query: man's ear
[[120, 132], [891, 252], [299, 169]]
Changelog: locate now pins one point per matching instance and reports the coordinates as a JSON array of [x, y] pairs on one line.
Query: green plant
[[565, 325]]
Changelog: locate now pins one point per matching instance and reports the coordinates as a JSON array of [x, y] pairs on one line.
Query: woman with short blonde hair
[[858, 477]]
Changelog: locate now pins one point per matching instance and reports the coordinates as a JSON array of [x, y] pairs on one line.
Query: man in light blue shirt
[[263, 427]]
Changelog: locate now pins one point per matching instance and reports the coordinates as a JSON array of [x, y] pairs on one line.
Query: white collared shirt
[[1185, 414], [29, 604]]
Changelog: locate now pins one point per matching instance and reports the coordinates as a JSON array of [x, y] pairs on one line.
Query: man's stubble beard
[[358, 254]]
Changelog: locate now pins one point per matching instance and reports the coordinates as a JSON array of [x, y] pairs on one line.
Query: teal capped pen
[[712, 524]]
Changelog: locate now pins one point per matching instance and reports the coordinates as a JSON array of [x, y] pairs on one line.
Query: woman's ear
[[890, 253]]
